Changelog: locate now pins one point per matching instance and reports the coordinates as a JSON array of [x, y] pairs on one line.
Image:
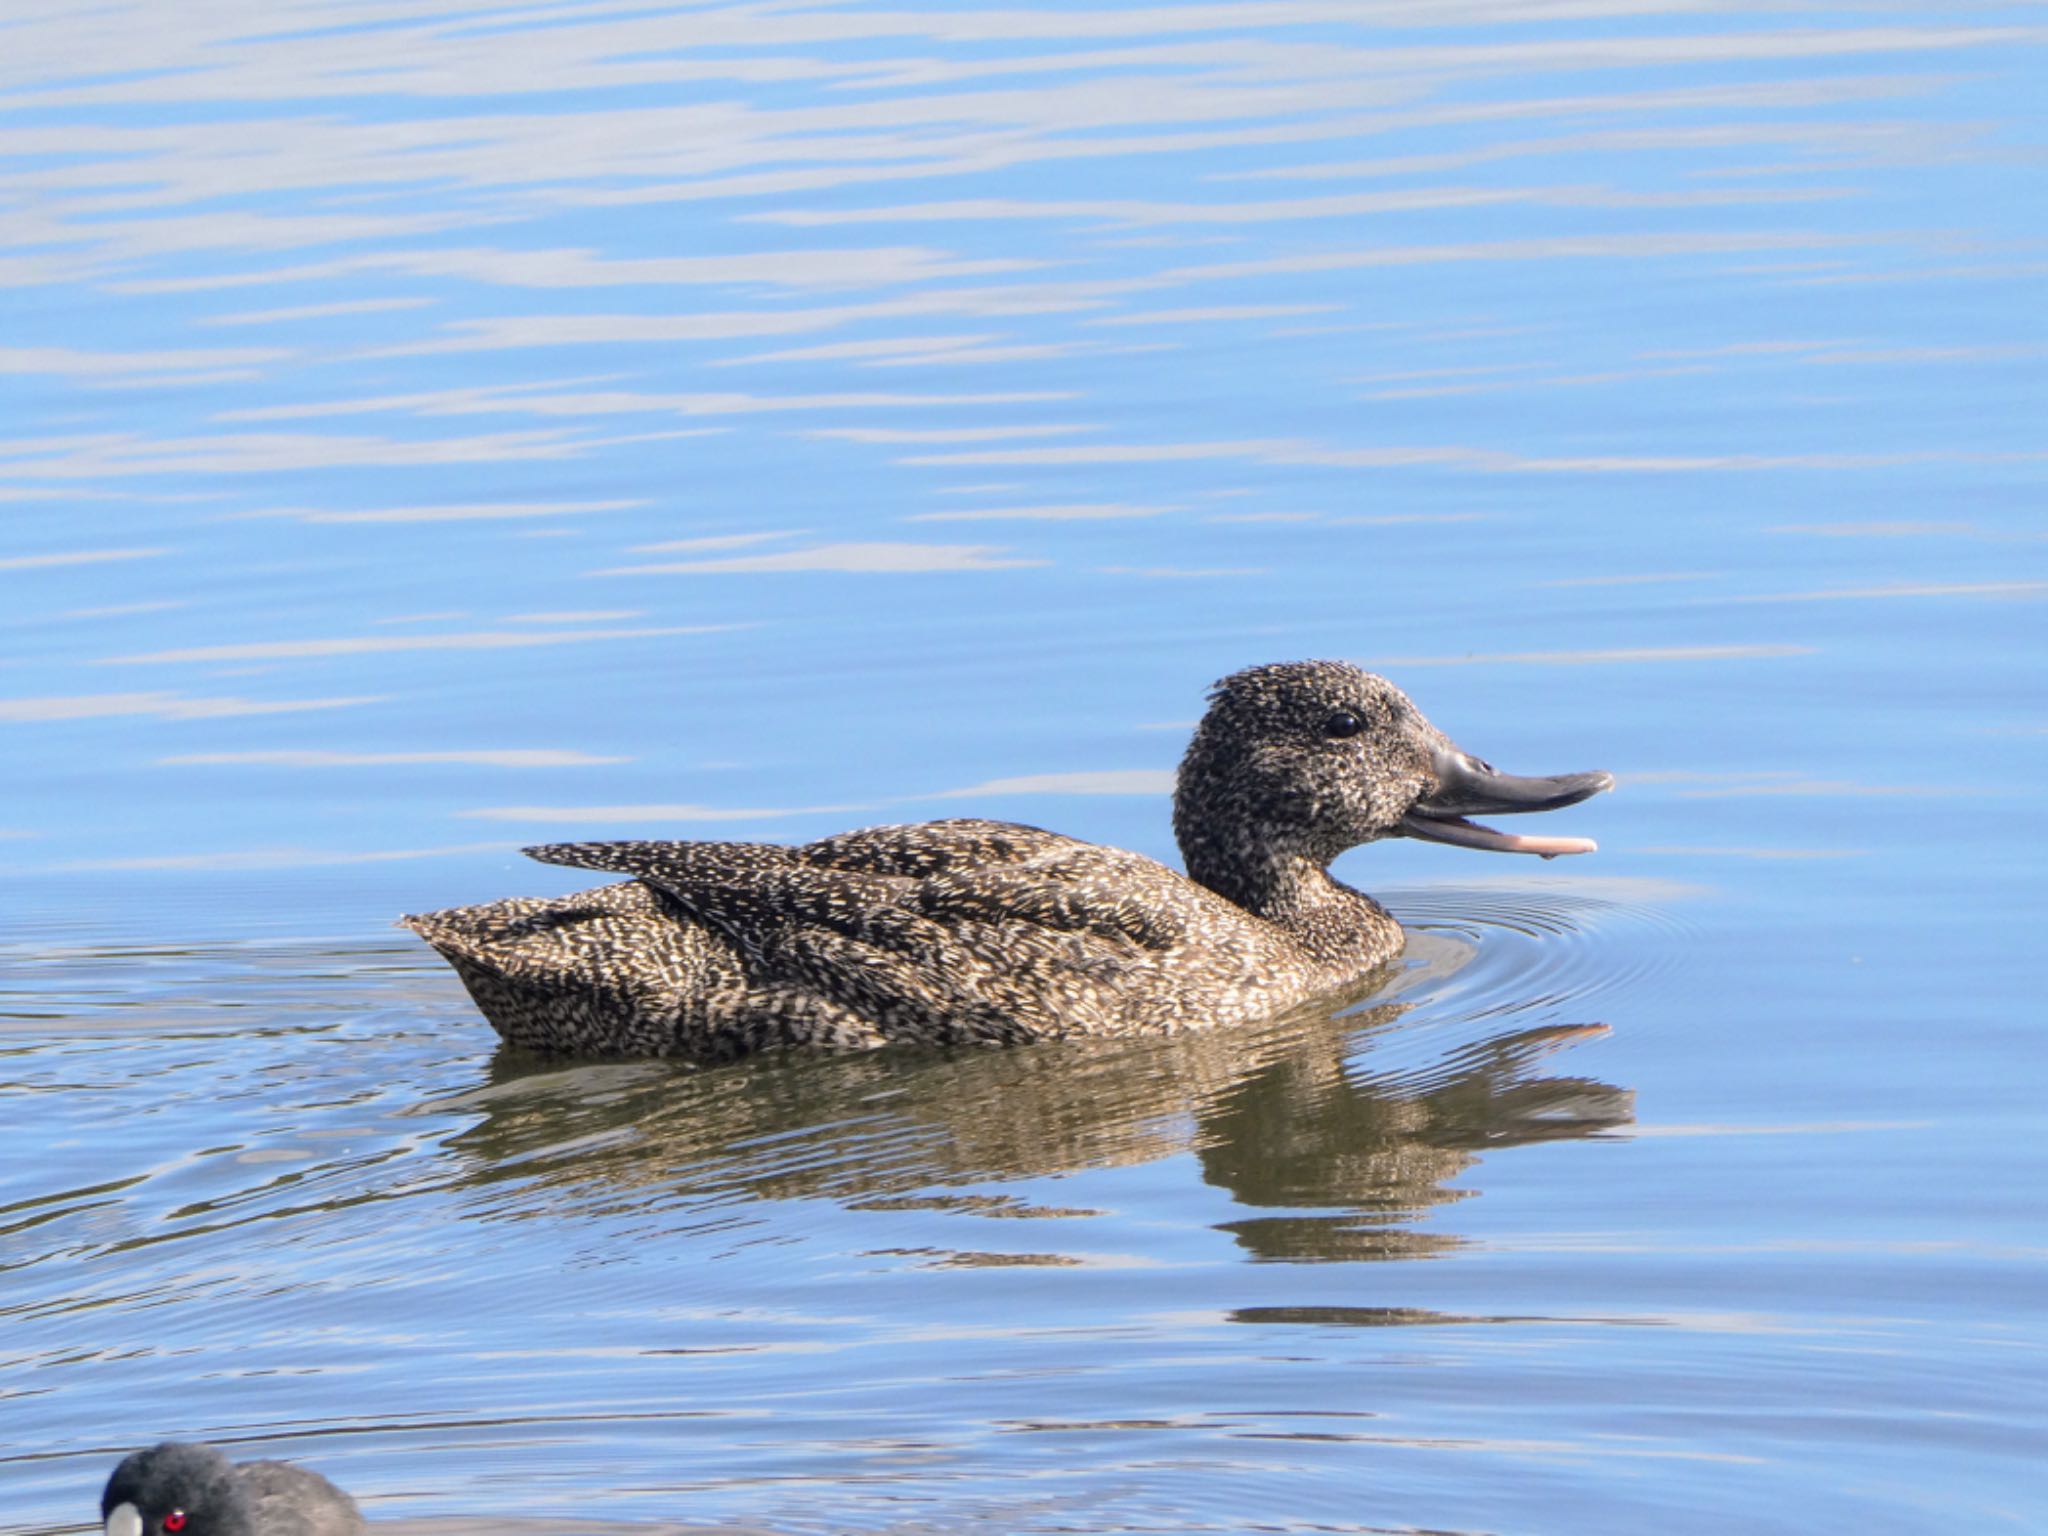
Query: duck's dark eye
[[174, 1522], [1342, 724]]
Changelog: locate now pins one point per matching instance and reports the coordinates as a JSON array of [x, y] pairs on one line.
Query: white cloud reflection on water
[[555, 400], [1059, 512], [867, 558], [1100, 781], [364, 645], [648, 815], [1629, 655], [1828, 789], [341, 309], [451, 513], [76, 557], [1485, 460], [1898, 530], [1210, 314], [162, 706], [509, 757], [576, 616], [290, 857], [991, 432], [223, 362], [1695, 850], [1975, 589], [110, 455], [1333, 89], [1632, 579], [1183, 572]]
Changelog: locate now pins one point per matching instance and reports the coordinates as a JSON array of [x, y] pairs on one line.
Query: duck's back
[[944, 932]]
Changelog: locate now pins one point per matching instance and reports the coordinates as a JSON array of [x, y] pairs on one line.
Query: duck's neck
[[1263, 843], [1334, 925]]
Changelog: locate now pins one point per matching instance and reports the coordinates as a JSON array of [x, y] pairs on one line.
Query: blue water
[[431, 430]]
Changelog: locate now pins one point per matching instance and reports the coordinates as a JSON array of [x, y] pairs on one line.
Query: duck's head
[[1304, 759], [175, 1490]]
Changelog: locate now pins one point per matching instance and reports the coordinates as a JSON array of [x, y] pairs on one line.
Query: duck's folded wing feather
[[930, 847], [1094, 905], [761, 885], [843, 934], [642, 857], [970, 967]]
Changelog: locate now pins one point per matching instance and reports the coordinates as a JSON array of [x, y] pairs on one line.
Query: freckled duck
[[193, 1490], [962, 931]]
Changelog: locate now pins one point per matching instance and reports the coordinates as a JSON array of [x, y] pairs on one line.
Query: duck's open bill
[[1466, 786]]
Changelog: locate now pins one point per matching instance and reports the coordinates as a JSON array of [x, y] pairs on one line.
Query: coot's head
[[175, 1490]]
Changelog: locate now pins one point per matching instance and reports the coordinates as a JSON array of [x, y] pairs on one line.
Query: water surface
[[432, 430]]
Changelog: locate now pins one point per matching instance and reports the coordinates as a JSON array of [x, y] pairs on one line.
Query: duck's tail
[[601, 973]]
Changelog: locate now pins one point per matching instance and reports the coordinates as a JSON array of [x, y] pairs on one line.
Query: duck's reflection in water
[[1353, 1159], [1287, 1117]]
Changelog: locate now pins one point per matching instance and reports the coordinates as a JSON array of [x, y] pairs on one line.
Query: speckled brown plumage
[[961, 931]]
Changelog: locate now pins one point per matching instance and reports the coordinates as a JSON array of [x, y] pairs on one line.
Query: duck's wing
[[895, 882], [922, 957], [913, 848], [1101, 893], [1006, 872], [930, 847], [751, 894], [681, 860]]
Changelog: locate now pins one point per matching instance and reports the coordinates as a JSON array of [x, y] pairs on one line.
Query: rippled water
[[436, 429]]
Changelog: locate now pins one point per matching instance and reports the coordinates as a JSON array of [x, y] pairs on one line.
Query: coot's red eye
[[174, 1522]]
